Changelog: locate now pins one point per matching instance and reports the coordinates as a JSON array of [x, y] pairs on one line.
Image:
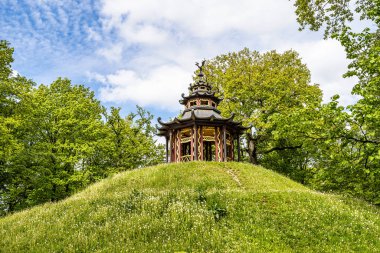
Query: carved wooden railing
[[185, 139], [185, 158], [208, 138]]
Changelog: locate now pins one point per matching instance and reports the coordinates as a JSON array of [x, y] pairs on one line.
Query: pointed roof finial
[[201, 67]]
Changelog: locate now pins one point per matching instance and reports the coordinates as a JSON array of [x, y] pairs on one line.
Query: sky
[[143, 51]]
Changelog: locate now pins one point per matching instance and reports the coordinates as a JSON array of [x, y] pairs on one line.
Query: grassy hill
[[195, 207]]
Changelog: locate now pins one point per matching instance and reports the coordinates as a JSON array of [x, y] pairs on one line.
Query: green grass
[[195, 207]]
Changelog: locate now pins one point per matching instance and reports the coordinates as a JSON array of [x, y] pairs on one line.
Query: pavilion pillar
[[192, 142], [200, 143], [238, 147], [171, 145], [232, 148], [224, 144], [217, 144], [178, 146], [195, 142], [167, 149]]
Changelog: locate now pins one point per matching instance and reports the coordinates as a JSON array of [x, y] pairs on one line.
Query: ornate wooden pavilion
[[201, 133]]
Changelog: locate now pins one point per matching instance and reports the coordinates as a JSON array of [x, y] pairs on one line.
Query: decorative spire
[[201, 74], [201, 82]]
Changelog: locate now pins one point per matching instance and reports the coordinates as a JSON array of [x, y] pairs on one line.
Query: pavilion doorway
[[209, 150], [208, 134], [186, 144]]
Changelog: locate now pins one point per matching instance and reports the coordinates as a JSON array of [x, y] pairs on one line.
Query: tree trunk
[[252, 149]]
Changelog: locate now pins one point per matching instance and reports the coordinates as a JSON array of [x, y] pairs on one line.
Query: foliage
[[56, 139], [6, 59], [196, 207], [13, 91], [357, 164], [321, 145], [61, 129], [264, 90], [130, 141]]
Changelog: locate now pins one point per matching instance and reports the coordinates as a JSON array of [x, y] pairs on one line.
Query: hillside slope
[[195, 207]]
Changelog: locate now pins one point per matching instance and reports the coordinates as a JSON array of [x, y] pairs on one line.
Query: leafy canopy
[[56, 139], [263, 90], [359, 140]]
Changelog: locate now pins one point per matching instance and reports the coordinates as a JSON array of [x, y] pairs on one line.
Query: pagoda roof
[[199, 93], [204, 116], [200, 114]]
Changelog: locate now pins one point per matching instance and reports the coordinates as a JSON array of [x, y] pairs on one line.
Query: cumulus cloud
[[143, 51], [112, 53], [181, 32], [205, 19], [327, 62], [162, 86]]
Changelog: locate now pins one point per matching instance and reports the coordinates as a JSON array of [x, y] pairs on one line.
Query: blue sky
[[143, 51]]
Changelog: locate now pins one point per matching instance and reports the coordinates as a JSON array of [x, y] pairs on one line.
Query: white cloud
[[178, 33], [113, 53], [327, 62], [204, 19], [92, 34], [96, 76], [162, 86], [144, 50]]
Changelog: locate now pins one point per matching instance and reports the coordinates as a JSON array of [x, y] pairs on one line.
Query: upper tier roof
[[200, 114], [200, 94], [200, 88]]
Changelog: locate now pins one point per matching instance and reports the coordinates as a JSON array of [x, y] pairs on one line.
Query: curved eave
[[176, 123], [200, 94]]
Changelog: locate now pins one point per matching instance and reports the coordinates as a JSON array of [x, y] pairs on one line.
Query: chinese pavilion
[[201, 133]]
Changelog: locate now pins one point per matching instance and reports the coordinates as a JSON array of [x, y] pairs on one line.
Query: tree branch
[[282, 148], [360, 140]]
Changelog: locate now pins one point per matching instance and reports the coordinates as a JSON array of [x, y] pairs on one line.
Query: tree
[[151, 153], [60, 125], [6, 59], [361, 138], [130, 142], [362, 47], [7, 141], [56, 139], [14, 90], [264, 90], [63, 128]]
